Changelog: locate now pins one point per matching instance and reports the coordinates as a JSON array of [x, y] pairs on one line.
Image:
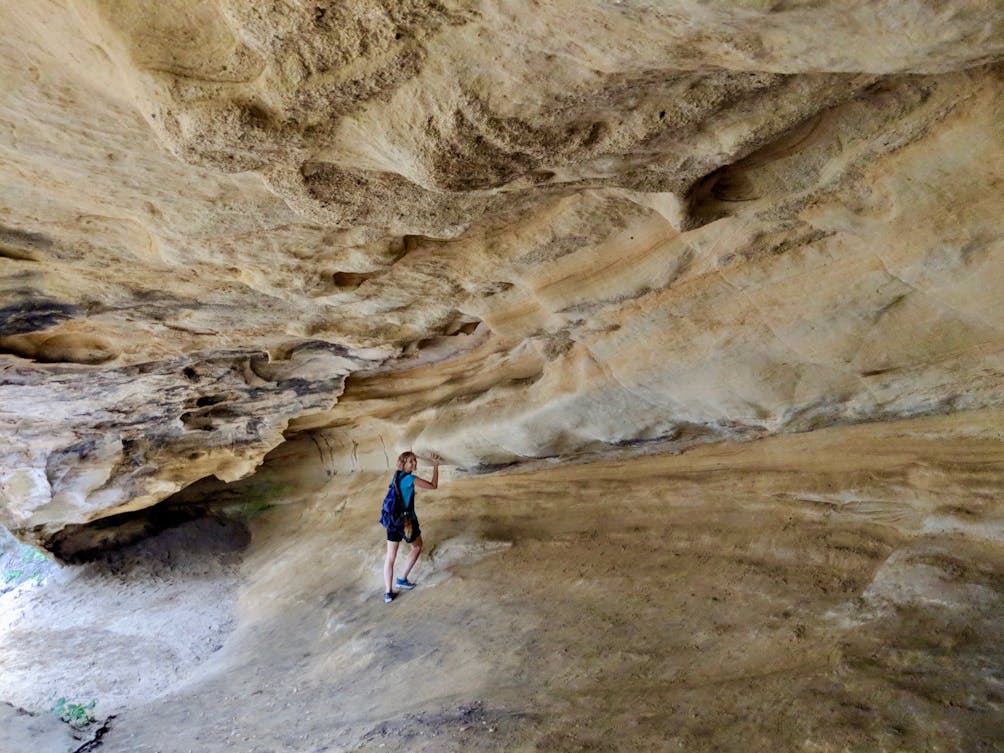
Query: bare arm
[[421, 483]]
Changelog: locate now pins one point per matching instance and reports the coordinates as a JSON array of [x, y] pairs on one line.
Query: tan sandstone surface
[[725, 599], [702, 302], [621, 222]]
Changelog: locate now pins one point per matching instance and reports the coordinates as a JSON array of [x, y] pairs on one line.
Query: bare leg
[[388, 566], [416, 549]]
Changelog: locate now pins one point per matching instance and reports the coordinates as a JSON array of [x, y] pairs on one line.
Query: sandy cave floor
[[727, 599]]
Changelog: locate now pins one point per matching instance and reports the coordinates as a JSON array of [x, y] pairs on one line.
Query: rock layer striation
[[507, 231]]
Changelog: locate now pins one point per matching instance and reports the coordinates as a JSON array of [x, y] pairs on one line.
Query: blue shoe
[[389, 597], [404, 584]]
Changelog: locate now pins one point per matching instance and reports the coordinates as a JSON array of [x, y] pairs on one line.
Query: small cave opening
[[197, 422], [462, 324], [445, 343], [350, 280], [715, 195], [222, 525], [206, 400], [464, 328], [215, 513]]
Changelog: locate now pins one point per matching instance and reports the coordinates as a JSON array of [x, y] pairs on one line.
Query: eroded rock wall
[[504, 231], [830, 590]]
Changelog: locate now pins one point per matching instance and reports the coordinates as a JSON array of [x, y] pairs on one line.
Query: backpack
[[392, 512]]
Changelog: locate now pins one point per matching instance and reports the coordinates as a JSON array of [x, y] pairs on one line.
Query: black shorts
[[397, 534]]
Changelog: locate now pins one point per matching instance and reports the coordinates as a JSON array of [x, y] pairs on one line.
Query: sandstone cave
[[701, 302]]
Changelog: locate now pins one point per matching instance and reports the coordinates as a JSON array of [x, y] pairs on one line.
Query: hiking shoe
[[404, 584], [389, 597]]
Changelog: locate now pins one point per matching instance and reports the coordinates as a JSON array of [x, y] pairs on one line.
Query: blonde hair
[[404, 457]]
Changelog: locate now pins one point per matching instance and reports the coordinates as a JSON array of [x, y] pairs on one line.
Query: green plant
[[264, 492], [21, 563], [77, 715], [257, 497], [30, 554]]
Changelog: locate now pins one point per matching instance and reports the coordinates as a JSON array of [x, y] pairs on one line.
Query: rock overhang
[[445, 225]]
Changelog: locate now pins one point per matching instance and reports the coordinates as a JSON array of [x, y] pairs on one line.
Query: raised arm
[[421, 483]]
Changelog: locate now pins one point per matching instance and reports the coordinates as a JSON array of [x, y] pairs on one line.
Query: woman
[[406, 480]]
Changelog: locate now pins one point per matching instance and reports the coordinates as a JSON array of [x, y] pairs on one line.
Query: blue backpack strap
[[393, 503], [397, 486]]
